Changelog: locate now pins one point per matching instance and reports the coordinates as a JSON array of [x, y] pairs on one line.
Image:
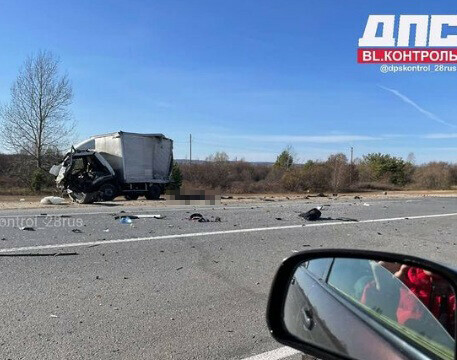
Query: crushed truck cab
[[106, 166]]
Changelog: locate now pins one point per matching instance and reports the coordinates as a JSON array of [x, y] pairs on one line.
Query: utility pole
[[190, 149], [350, 169]]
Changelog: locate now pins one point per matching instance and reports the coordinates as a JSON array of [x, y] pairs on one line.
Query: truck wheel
[[153, 193], [82, 198], [107, 192], [131, 196]]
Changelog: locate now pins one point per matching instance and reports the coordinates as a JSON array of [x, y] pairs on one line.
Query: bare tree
[[338, 164], [37, 118]]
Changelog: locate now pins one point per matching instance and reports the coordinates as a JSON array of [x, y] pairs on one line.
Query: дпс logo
[[430, 44]]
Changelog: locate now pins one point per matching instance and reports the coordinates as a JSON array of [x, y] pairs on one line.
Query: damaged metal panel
[[110, 147]]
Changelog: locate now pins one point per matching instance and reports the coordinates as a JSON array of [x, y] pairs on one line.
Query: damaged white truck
[[122, 163]]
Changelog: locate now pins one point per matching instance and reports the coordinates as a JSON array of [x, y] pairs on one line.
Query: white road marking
[[222, 232], [276, 354]]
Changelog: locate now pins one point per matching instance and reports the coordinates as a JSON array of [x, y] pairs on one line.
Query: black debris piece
[[200, 218], [26, 228], [312, 215], [38, 254], [77, 231], [180, 268], [3, 238], [278, 218], [196, 216], [317, 195], [357, 197]]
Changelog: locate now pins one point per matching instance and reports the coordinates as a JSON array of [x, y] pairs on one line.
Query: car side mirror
[[356, 304]]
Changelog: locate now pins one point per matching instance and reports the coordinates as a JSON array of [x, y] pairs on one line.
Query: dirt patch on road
[[33, 201]]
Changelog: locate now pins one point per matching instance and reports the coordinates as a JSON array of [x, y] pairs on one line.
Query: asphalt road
[[177, 289]]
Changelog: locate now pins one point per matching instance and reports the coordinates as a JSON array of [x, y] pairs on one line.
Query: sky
[[245, 77]]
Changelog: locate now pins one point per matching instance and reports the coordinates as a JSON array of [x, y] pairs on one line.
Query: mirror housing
[[286, 272]]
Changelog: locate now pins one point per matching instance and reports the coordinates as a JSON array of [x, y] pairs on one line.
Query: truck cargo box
[[136, 158]]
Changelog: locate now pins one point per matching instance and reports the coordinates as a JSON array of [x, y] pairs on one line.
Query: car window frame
[[368, 312]]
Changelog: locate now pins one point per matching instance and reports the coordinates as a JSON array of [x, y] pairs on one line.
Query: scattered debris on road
[[226, 197], [357, 197], [53, 316], [125, 220], [366, 204], [196, 216], [131, 217], [312, 215], [135, 217], [153, 216], [200, 218], [52, 200], [27, 228], [77, 231]]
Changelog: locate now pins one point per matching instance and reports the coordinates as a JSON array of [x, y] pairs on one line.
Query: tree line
[[37, 125]]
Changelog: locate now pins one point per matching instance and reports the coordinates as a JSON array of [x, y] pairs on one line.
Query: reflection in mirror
[[364, 308]]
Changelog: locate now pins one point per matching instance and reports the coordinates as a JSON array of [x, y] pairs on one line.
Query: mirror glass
[[368, 309]]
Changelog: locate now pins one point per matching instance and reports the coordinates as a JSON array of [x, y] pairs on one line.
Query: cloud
[[320, 139], [441, 136], [407, 100]]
